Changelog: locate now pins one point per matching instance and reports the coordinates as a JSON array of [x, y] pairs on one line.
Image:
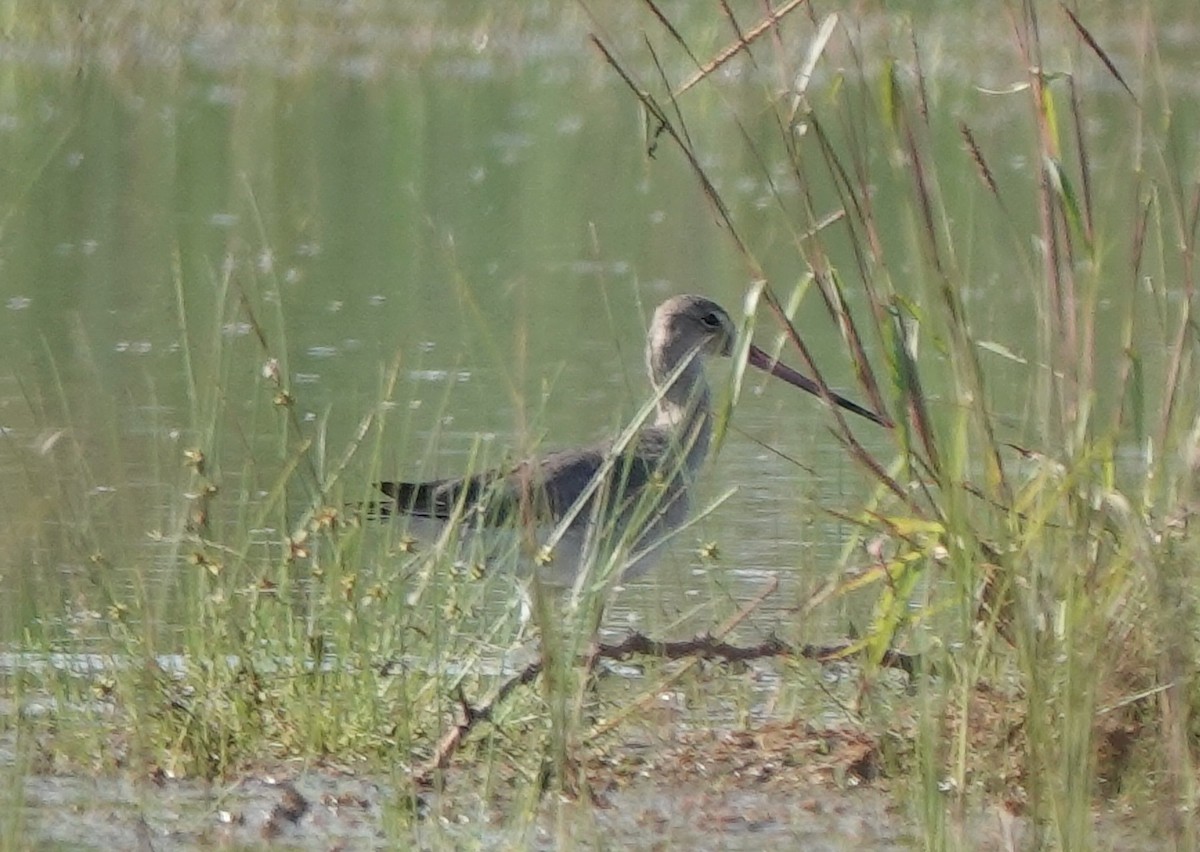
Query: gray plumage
[[639, 492]]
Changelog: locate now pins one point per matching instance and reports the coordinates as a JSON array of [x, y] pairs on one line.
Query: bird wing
[[542, 489]]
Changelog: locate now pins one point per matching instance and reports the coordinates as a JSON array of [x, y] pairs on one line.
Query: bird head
[[686, 326]]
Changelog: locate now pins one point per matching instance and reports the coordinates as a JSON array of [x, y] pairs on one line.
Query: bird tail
[[418, 499], [439, 498]]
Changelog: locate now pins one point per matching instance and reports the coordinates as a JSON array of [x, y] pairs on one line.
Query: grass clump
[[1033, 546], [1025, 535], [284, 628]]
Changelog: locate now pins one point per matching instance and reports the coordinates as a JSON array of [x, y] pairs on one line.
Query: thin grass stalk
[[711, 193], [1059, 329], [830, 287], [742, 43], [964, 349], [1095, 47]]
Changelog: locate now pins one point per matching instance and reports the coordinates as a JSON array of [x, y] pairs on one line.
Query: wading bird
[[625, 496]]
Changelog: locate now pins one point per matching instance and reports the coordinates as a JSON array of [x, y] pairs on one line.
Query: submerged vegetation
[[1019, 573]]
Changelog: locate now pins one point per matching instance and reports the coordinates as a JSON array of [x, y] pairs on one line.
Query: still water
[[470, 199]]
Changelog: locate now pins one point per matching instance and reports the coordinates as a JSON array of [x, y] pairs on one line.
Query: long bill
[[761, 360]]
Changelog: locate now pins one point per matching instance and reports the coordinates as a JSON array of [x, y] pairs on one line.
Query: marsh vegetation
[[256, 257]]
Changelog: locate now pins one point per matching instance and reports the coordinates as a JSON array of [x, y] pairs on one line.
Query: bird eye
[[711, 320]]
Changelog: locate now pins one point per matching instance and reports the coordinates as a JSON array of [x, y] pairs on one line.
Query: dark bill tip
[[761, 360]]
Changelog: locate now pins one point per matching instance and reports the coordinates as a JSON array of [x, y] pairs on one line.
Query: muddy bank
[[329, 810]]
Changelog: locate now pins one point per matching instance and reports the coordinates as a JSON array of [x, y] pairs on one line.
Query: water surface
[[471, 200]]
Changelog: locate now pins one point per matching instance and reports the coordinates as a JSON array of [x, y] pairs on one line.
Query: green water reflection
[[473, 197]]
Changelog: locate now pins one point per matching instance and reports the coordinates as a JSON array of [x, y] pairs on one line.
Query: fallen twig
[[722, 631], [707, 647], [704, 647], [471, 715]]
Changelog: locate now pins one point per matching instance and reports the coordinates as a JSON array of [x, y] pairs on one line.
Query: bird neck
[[684, 407]]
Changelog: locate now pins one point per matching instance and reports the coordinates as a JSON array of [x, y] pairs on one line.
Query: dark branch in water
[[709, 648], [705, 646]]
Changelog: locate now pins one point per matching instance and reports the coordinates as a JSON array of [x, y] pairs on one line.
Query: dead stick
[[708, 647], [722, 631], [471, 715]]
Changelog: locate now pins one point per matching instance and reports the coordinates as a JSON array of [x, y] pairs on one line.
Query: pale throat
[[685, 408]]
